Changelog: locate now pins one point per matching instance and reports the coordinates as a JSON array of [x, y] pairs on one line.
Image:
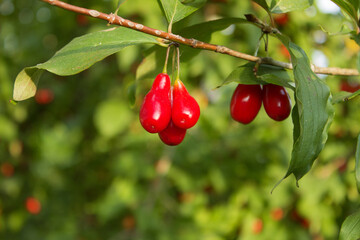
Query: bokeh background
[[76, 164]]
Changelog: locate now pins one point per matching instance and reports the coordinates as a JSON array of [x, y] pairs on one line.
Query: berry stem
[[178, 62], [166, 59]]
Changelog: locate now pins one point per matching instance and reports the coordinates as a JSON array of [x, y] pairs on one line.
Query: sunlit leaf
[[175, 10], [312, 114], [78, 55], [283, 6], [350, 9], [350, 229]]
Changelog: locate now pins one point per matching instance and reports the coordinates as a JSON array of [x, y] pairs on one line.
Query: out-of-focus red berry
[[281, 19], [277, 214], [349, 86], [128, 222], [82, 20], [33, 205], [44, 96], [7, 169], [257, 226]]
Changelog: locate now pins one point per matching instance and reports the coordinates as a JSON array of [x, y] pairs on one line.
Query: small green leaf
[[266, 74], [312, 114], [350, 229], [78, 55], [25, 83], [175, 10], [344, 96], [283, 6], [357, 164]]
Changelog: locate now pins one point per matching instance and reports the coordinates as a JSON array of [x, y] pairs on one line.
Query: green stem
[[178, 63], [166, 59]]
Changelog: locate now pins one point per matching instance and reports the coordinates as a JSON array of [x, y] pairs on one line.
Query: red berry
[[277, 214], [245, 103], [281, 19], [276, 102], [172, 135], [155, 111], [186, 110], [257, 226], [33, 205], [349, 86], [44, 96], [7, 169]]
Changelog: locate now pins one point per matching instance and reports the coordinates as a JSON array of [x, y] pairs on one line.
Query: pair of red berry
[[247, 100], [168, 111]]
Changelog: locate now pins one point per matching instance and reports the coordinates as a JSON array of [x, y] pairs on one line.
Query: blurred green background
[[79, 150]]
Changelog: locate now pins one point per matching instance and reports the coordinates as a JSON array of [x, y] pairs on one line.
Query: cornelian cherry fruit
[[276, 102], [172, 135], [155, 111], [44, 96], [185, 111], [33, 205], [245, 103]]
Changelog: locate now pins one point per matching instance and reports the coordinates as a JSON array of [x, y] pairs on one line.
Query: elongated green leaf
[[312, 114], [266, 74], [350, 9], [175, 10], [357, 164], [263, 4], [283, 6], [78, 55], [350, 229], [344, 96]]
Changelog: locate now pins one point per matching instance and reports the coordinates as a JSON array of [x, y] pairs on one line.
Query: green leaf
[[350, 8], [25, 83], [283, 6], [357, 164], [312, 114], [344, 96], [350, 229], [78, 55], [266, 74], [175, 10], [263, 4], [203, 32]]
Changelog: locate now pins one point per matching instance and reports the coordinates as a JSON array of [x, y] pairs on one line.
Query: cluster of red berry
[[247, 100], [168, 111]]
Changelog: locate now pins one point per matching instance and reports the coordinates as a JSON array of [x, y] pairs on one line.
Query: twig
[[166, 37]]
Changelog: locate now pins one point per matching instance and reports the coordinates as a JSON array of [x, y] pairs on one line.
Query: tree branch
[[166, 37]]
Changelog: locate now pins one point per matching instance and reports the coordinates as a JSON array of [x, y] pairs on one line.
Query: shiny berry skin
[[155, 111], [185, 111], [245, 103], [276, 102], [172, 135]]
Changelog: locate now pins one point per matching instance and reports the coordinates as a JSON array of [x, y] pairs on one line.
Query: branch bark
[[166, 37]]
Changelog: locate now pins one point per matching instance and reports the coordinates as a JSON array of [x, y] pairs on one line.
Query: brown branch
[[166, 37]]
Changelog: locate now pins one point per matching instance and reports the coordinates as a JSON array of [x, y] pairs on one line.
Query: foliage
[[86, 158]]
